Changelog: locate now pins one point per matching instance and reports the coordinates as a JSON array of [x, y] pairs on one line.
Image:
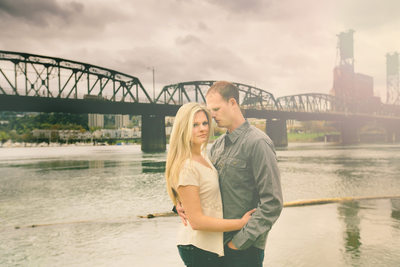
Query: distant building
[[74, 134], [355, 89], [121, 121], [169, 121], [123, 133], [168, 130], [96, 120], [43, 133], [61, 134]]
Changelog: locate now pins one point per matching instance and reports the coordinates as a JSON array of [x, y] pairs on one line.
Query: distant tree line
[[18, 126]]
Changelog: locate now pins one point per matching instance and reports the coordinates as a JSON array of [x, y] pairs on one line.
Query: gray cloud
[[368, 15], [241, 6], [40, 11], [188, 39], [202, 26], [48, 27], [283, 46]]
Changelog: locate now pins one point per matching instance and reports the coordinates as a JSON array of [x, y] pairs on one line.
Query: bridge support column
[[153, 133], [277, 131], [349, 132], [392, 134]]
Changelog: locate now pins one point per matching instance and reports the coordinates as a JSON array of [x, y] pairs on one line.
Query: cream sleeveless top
[[195, 173]]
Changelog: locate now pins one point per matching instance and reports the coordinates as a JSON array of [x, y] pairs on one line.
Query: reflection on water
[[396, 214], [89, 198], [348, 212], [151, 166], [395, 208], [65, 165]]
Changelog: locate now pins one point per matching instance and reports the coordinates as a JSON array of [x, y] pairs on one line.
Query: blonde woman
[[192, 181]]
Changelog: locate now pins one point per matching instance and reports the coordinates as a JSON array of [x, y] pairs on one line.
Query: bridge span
[[37, 83]]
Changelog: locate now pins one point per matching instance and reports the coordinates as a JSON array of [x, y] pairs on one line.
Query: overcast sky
[[284, 47]]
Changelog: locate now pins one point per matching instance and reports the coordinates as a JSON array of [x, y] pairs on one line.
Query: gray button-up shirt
[[249, 178]]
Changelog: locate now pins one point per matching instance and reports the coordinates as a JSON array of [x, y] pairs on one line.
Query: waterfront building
[[96, 120], [121, 121]]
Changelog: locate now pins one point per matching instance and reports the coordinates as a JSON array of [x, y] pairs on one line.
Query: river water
[[85, 202]]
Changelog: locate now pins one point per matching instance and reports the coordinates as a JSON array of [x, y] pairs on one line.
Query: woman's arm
[[190, 199]]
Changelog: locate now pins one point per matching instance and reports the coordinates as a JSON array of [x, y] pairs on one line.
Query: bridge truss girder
[[195, 91], [310, 103], [34, 75]]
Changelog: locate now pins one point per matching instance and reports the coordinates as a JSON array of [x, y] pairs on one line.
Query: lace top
[[197, 174]]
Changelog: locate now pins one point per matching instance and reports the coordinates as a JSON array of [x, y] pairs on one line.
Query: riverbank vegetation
[[309, 137], [18, 126]]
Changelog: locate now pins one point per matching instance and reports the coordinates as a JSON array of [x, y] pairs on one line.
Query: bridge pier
[[392, 134], [153, 133], [349, 132], [276, 130]]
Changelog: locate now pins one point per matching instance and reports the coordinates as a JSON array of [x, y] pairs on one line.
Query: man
[[248, 177]]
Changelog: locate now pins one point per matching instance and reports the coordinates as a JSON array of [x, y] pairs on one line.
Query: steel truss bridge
[[31, 82], [33, 75]]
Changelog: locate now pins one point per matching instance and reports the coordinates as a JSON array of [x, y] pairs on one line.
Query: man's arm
[[190, 196], [264, 167]]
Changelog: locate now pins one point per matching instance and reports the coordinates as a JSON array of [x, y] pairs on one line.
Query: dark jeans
[[251, 257], [194, 257]]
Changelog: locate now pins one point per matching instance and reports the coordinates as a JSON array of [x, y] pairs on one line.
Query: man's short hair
[[226, 89]]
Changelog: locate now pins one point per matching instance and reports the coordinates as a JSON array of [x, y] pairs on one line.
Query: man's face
[[221, 110]]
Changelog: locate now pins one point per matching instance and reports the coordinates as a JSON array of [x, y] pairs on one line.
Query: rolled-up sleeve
[[264, 167]]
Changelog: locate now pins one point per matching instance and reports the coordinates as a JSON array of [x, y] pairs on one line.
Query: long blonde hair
[[180, 144]]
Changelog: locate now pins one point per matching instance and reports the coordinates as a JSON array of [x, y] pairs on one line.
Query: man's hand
[[181, 213], [232, 246]]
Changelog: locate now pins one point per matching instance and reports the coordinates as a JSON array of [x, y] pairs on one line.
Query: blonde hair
[[180, 144]]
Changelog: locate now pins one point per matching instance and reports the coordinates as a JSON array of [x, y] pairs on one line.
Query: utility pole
[[154, 94], [153, 71]]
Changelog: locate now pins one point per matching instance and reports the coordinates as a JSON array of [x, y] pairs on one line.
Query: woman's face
[[200, 128]]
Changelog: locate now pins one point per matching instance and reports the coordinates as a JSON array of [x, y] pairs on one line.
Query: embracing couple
[[231, 197]]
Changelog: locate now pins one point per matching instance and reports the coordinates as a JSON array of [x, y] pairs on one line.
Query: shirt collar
[[233, 136]]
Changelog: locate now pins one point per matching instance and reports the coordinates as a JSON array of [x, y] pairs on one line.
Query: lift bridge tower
[[345, 49], [355, 90], [343, 73], [392, 79]]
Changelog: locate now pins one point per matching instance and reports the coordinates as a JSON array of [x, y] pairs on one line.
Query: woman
[[192, 181]]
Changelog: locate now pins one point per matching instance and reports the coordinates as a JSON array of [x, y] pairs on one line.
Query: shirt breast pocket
[[236, 163], [237, 170]]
